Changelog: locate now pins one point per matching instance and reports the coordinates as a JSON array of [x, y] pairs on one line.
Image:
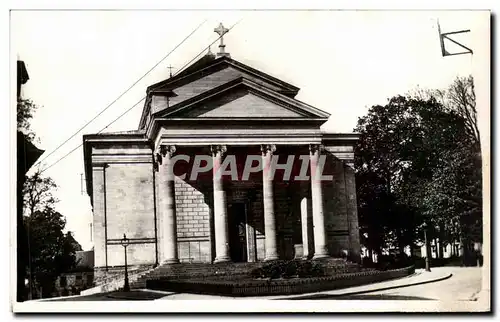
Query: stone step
[[208, 270], [198, 270]]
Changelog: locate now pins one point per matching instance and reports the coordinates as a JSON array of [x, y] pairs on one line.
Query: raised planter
[[246, 286]]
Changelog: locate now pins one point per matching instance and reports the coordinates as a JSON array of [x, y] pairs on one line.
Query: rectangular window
[[90, 279], [62, 281]]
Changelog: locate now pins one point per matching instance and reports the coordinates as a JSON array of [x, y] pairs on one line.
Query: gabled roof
[[199, 64], [207, 65], [201, 67], [299, 108]]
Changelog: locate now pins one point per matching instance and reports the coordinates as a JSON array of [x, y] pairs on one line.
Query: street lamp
[[427, 249], [125, 242]]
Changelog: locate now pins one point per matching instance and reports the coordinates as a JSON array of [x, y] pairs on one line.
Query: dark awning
[[27, 153], [22, 75]]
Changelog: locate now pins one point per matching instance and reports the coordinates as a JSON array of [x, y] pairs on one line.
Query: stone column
[[220, 208], [320, 250], [166, 204], [304, 220], [268, 198]]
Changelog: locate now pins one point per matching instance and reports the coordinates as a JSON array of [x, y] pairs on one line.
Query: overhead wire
[[121, 95], [133, 106]]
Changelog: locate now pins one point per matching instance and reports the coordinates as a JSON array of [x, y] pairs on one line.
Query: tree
[[27, 154], [37, 193], [25, 111], [389, 145], [415, 162], [457, 183], [52, 252], [49, 250], [459, 97]]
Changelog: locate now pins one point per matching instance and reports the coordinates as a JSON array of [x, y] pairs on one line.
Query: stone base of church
[[245, 286], [103, 275]]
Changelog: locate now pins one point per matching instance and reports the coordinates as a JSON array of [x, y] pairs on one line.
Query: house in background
[[79, 278]]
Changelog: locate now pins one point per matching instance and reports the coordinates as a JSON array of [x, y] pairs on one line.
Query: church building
[[192, 183]]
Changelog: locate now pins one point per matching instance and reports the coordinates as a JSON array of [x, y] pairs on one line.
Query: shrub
[[288, 269]]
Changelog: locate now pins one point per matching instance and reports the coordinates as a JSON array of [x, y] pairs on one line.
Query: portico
[[226, 166], [167, 209]]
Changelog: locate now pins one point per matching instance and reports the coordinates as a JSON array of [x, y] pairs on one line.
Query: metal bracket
[[443, 36]]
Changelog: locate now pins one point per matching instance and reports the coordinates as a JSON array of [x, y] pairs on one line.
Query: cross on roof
[[221, 31], [170, 68]]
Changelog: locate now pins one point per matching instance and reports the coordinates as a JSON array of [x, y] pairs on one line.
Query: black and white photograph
[[271, 160]]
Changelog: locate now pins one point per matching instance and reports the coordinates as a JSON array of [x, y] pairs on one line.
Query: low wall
[[255, 287], [104, 275], [113, 278]]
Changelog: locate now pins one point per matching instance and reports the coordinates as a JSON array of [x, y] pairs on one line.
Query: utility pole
[[465, 50], [82, 186], [427, 249]]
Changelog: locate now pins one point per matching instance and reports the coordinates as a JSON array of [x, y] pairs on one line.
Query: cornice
[[257, 89], [218, 63]]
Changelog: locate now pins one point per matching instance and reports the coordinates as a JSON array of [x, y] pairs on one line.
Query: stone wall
[[337, 228], [341, 215], [193, 222], [130, 211], [123, 203]]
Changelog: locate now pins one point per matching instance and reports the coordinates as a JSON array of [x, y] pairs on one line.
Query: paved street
[[462, 286], [114, 296]]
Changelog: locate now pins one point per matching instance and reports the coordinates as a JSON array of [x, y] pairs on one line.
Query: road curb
[[135, 295], [49, 299], [318, 296]]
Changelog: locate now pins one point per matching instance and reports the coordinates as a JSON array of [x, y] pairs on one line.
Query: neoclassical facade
[[179, 188]]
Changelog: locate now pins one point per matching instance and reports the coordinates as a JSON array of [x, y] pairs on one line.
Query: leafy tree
[[456, 187], [37, 193], [25, 111], [459, 97], [25, 138], [417, 161], [388, 147], [52, 252]]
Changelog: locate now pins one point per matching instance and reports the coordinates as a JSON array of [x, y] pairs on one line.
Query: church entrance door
[[237, 232]]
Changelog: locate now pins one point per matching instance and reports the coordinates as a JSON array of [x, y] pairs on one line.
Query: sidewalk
[[420, 277]]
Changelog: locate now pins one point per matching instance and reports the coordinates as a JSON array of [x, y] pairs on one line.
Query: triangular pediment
[[206, 89], [241, 103], [241, 98]]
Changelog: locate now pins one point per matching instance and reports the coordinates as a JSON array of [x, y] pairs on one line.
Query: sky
[[342, 61]]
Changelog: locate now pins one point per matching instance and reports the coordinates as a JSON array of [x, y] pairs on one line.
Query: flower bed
[[248, 286], [289, 269]]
